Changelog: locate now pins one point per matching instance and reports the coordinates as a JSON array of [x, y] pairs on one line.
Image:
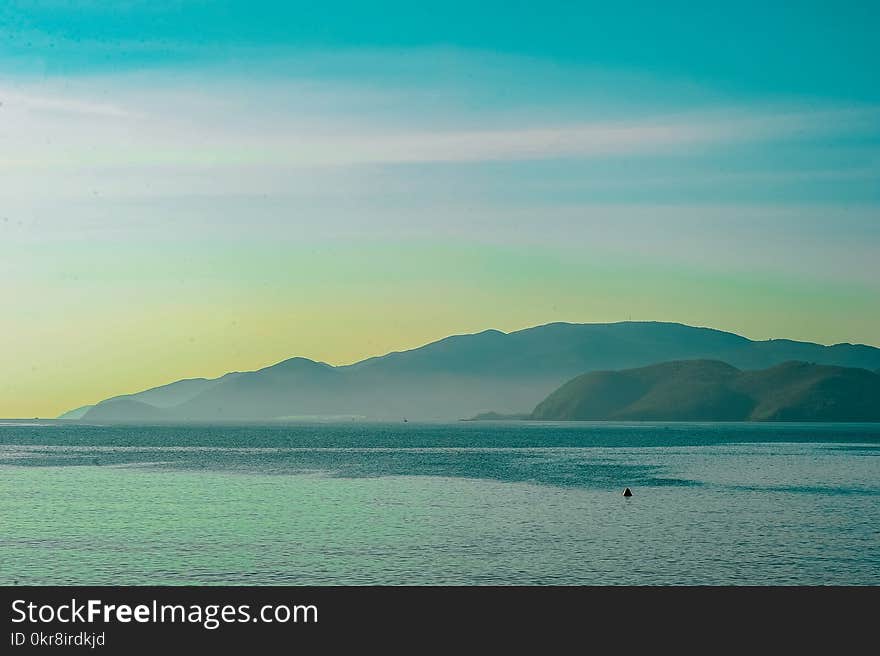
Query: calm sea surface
[[465, 503]]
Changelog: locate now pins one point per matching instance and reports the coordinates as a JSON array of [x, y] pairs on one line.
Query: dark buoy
[[627, 492]]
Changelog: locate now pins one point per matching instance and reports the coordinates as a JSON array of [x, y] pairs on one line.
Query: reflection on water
[[470, 504]]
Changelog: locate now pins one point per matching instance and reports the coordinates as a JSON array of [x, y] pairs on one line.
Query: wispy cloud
[[171, 129], [591, 139], [35, 105]]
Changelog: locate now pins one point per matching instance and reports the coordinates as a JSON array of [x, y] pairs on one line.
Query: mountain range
[[709, 390], [458, 376]]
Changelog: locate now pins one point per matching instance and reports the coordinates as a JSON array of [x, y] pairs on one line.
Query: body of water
[[465, 503]]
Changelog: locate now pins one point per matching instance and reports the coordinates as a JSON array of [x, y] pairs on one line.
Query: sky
[[189, 188]]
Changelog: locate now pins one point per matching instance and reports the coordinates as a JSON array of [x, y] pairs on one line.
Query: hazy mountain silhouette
[[709, 390], [173, 394], [76, 413], [462, 375], [125, 409]]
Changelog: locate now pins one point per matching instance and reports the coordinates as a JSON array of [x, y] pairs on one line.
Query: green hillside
[[709, 390]]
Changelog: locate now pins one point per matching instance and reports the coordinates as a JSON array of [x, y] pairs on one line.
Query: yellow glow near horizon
[[76, 340]]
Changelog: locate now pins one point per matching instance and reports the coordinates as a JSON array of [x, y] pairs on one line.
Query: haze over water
[[487, 503]]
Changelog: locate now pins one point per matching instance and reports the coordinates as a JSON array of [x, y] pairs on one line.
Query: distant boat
[[405, 420]]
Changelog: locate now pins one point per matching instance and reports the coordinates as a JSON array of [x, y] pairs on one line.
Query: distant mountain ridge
[[76, 413], [709, 390], [461, 375]]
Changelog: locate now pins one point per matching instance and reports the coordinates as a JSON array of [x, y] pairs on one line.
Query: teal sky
[[192, 187], [814, 49]]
